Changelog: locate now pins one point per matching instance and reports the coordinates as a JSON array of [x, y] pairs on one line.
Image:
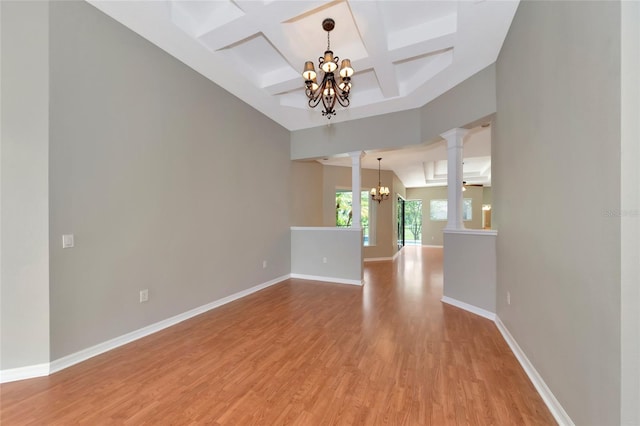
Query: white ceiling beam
[[369, 20], [423, 48], [229, 34]]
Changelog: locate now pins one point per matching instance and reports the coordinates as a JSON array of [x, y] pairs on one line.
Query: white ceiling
[[405, 53], [426, 164]]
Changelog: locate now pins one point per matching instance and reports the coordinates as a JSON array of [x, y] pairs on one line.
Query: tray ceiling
[[405, 53]]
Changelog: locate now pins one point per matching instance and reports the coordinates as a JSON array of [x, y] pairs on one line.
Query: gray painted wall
[[469, 267], [467, 103], [24, 241], [558, 120], [342, 248], [306, 193], [161, 176]]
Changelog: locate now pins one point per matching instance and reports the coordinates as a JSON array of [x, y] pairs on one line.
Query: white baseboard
[[467, 307], [21, 373], [547, 396], [377, 259], [549, 399], [69, 360], [395, 256], [327, 279], [433, 245]]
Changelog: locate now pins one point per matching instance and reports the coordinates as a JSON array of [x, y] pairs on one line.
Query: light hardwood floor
[[303, 353]]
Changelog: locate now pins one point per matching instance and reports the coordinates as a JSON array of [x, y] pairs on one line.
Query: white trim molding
[[395, 256], [325, 228], [378, 259], [433, 245], [77, 357], [485, 232], [549, 399], [328, 279], [559, 414], [470, 308], [21, 373]]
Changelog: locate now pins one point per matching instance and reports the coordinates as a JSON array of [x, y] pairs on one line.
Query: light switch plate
[[67, 241]]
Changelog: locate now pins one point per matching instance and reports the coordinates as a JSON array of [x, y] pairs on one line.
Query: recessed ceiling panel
[[366, 89], [256, 58], [413, 73], [295, 99], [305, 34], [399, 15], [197, 17]]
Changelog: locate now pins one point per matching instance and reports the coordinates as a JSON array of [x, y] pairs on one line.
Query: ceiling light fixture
[[329, 91], [381, 192]]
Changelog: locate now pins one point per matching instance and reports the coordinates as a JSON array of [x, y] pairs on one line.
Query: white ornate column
[[356, 185], [454, 177]]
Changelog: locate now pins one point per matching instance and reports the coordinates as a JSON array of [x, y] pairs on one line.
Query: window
[[438, 209], [367, 214]]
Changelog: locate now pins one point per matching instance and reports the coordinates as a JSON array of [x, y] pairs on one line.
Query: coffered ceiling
[[405, 53]]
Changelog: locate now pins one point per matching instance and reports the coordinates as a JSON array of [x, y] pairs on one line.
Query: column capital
[[356, 154], [454, 135]]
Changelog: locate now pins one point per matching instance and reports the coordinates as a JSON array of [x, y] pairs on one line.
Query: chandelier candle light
[[381, 192], [328, 91]]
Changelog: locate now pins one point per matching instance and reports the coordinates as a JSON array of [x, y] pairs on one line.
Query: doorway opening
[[400, 221], [413, 222]]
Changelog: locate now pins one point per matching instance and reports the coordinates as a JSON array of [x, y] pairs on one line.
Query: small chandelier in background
[[328, 91], [381, 192]]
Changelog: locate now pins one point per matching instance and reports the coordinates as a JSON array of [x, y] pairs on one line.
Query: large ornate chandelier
[[328, 91]]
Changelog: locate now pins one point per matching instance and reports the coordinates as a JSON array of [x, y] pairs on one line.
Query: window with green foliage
[[344, 201], [438, 209]]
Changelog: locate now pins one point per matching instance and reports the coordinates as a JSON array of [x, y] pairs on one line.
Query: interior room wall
[[470, 101], [630, 212], [336, 177], [24, 181], [306, 193], [432, 229], [168, 182], [487, 195], [558, 120]]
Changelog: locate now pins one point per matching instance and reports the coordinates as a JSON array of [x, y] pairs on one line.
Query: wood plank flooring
[[302, 353]]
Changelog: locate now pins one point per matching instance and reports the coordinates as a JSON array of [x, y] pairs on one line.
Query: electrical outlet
[[324, 260], [508, 298], [264, 264], [144, 295]]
